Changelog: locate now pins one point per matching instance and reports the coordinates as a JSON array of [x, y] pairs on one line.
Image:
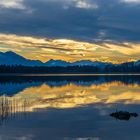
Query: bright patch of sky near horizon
[[79, 29], [44, 49]]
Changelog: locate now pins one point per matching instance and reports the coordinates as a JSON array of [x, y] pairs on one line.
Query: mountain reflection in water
[[44, 92]]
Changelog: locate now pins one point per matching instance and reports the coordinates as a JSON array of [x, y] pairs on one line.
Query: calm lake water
[[68, 107]]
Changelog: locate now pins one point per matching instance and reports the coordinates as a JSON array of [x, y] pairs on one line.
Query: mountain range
[[11, 58]]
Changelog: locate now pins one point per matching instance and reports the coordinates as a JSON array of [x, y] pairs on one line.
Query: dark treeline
[[122, 68]]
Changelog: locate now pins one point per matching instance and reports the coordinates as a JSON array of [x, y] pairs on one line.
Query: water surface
[[68, 107]]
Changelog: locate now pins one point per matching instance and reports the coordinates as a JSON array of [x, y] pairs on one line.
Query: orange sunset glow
[[69, 50]]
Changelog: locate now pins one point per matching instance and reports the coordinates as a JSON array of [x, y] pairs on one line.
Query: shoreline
[[103, 74]]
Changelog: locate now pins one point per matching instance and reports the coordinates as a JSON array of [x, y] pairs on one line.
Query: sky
[[71, 30]]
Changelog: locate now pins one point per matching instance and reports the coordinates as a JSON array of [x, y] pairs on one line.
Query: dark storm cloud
[[90, 20]]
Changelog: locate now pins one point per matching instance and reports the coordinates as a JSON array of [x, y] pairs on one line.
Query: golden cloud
[[69, 50]]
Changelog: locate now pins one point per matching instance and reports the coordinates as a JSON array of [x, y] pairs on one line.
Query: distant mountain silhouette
[[11, 62], [52, 63], [11, 58]]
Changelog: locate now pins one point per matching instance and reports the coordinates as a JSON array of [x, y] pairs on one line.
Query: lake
[[69, 107]]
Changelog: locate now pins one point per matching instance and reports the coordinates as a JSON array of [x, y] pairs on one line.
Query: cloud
[[131, 1], [13, 4], [85, 4], [80, 4], [83, 20], [69, 50]]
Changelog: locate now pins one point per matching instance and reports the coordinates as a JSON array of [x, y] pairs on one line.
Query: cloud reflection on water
[[72, 95], [72, 109]]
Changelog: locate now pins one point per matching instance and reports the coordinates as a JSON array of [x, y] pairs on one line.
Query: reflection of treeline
[[40, 79], [10, 106], [19, 82], [110, 68]]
